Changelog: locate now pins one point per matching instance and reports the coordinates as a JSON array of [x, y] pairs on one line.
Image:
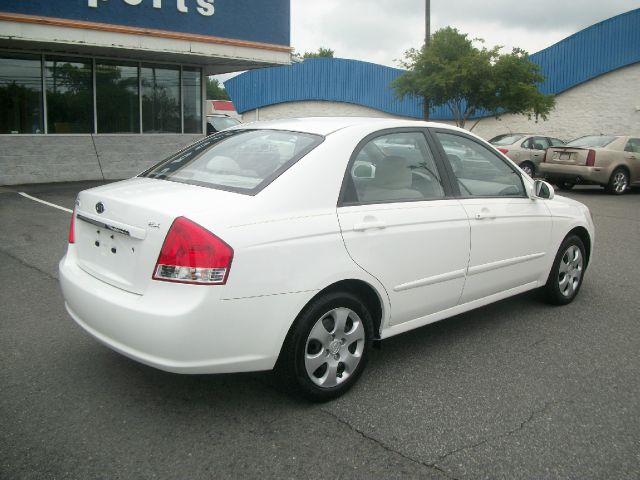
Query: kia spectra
[[294, 245]]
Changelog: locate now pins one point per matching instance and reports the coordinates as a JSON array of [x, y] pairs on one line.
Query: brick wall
[[607, 104]]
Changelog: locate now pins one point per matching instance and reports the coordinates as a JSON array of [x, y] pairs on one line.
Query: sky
[[380, 31]]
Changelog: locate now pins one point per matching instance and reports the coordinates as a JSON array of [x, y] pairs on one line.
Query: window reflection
[[169, 104], [20, 94], [192, 97], [117, 98], [160, 99], [69, 95]]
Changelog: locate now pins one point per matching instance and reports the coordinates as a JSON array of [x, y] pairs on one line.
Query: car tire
[[618, 183], [567, 272], [327, 348], [565, 186], [529, 168]]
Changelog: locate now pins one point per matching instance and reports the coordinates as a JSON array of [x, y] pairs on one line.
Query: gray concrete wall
[[60, 158]]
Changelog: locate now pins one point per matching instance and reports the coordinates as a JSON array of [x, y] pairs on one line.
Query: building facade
[[102, 89], [595, 75]]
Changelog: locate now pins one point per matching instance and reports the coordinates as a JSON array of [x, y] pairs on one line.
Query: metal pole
[[427, 39]]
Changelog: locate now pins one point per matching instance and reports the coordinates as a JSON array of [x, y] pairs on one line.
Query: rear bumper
[[181, 328], [576, 174]]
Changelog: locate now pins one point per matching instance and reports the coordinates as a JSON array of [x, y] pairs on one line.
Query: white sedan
[[295, 244]]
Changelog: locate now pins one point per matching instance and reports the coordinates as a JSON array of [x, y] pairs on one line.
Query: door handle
[[369, 225], [485, 214]]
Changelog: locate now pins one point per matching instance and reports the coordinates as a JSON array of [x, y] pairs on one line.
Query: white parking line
[[45, 203]]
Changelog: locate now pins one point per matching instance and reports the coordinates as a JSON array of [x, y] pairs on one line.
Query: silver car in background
[[527, 151]]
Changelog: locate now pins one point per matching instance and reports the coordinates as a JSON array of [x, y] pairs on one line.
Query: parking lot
[[517, 389]]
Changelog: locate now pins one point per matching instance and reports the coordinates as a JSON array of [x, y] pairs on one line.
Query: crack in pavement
[[387, 447], [508, 433], [24, 263]]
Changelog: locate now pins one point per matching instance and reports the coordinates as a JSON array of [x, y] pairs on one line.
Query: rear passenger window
[[394, 168], [479, 171], [540, 143], [633, 145]]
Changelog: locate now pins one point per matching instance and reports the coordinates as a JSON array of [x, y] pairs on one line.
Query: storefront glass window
[[117, 97], [20, 94], [160, 99], [192, 96], [69, 95]]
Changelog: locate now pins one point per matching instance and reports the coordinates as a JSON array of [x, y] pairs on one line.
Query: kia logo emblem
[[99, 207]]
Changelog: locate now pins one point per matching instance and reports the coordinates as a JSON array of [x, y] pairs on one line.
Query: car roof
[[328, 125]]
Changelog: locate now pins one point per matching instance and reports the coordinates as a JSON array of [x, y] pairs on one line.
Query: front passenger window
[[478, 170], [393, 168]]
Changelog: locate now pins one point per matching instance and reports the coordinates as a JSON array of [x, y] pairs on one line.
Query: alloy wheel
[[570, 271], [620, 182], [334, 347]]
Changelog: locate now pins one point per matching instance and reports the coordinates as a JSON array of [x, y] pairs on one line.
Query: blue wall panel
[[335, 80], [594, 51]]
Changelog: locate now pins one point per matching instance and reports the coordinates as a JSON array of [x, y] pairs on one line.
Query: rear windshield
[[505, 139], [592, 141], [243, 161]]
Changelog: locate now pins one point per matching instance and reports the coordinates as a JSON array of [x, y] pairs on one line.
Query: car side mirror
[[543, 190]]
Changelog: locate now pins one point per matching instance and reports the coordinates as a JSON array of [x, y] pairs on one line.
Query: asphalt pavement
[[514, 390]]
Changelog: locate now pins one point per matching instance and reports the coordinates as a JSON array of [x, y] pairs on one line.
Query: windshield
[[220, 123], [592, 141], [505, 139], [244, 160]]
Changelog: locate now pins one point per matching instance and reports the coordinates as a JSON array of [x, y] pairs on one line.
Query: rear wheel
[[566, 186], [328, 347], [619, 182], [567, 272]]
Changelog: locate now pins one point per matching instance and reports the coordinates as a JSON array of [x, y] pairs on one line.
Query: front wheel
[[567, 272], [566, 186], [328, 347]]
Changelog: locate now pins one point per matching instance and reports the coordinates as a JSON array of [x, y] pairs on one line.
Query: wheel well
[[582, 233], [365, 292], [622, 167], [362, 290]]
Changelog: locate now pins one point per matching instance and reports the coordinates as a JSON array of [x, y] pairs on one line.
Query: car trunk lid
[[120, 228], [567, 155]]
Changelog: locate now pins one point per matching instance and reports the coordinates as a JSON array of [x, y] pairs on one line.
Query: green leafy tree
[[215, 91], [321, 53], [451, 71]]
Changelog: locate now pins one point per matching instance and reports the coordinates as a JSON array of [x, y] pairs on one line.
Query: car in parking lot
[[527, 151], [237, 254], [219, 121], [607, 160]]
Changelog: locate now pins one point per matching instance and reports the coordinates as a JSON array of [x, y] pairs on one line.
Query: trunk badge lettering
[[154, 225], [100, 207]]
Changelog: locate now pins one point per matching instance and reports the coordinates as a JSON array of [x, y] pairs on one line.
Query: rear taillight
[[503, 150], [591, 158], [72, 228], [192, 254]]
